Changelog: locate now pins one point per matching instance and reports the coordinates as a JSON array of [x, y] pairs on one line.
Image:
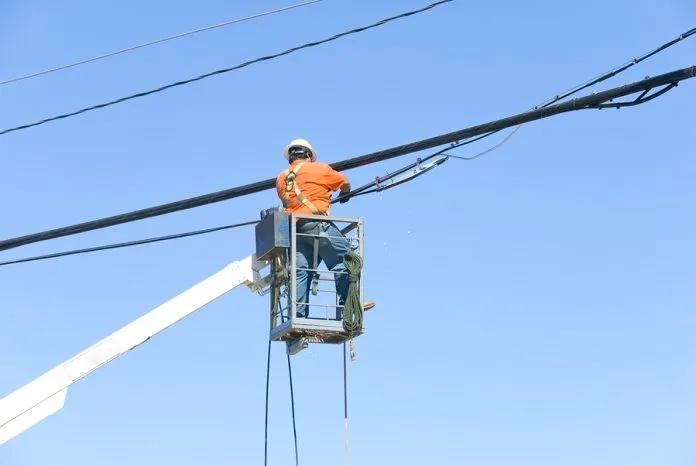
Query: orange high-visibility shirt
[[316, 182]]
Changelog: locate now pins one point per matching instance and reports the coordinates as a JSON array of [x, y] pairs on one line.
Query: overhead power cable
[[127, 244], [574, 90], [420, 167], [617, 70], [224, 70], [146, 213], [154, 42], [592, 101]]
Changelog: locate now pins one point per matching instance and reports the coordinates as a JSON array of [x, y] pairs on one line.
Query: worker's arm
[[336, 181]]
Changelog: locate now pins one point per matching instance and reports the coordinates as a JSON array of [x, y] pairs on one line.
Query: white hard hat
[[300, 143]]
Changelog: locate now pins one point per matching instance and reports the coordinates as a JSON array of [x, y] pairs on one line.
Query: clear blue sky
[[535, 307]]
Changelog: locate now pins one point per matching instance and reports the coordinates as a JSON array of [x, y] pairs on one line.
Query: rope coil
[[352, 309]]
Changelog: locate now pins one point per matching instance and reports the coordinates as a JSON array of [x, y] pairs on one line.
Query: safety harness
[[290, 186]]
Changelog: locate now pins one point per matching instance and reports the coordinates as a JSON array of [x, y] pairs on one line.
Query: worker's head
[[299, 149]]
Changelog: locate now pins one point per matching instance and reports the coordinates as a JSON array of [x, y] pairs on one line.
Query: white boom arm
[[46, 395]]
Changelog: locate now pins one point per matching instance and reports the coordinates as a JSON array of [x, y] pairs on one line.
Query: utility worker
[[305, 187]]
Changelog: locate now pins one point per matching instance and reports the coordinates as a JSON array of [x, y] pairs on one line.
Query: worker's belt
[[290, 186]]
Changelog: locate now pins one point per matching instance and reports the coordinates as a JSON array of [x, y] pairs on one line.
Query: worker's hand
[[344, 193]]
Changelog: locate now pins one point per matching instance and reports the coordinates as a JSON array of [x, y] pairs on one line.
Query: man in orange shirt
[[306, 187]]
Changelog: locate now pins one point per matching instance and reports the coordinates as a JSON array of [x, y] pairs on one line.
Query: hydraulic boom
[[46, 395]]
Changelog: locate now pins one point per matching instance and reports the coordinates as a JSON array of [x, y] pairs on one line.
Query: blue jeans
[[332, 247]]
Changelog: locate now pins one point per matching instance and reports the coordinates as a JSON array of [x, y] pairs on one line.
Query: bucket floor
[[314, 335]]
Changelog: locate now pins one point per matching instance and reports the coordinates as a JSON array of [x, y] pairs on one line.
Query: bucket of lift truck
[[276, 237]]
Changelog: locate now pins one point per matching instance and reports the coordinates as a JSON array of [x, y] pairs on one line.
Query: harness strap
[[290, 186]]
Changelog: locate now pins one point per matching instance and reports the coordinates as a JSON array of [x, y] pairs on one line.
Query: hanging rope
[[268, 377], [345, 407], [292, 407], [277, 269], [353, 310]]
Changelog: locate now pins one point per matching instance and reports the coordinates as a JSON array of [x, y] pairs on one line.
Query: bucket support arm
[[45, 395]]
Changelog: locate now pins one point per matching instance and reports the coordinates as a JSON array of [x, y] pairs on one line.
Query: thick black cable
[[225, 70], [268, 184], [129, 243], [356, 192], [643, 98], [580, 103], [574, 90], [619, 69], [591, 101]]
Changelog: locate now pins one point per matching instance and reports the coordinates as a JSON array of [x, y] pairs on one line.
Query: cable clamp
[[378, 185]]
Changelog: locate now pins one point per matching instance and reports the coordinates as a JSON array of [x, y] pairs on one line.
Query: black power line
[[595, 100], [455, 144], [376, 183], [574, 90], [126, 244], [224, 70], [619, 69]]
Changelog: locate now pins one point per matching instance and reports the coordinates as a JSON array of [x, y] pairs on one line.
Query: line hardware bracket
[[641, 99], [417, 171], [400, 176]]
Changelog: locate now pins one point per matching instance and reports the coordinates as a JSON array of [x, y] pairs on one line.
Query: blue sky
[[535, 307]]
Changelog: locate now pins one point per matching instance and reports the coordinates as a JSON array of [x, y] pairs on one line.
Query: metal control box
[[272, 233]]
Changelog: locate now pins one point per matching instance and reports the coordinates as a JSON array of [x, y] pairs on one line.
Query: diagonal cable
[[223, 70], [573, 90], [154, 42], [578, 103], [356, 192], [129, 243]]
